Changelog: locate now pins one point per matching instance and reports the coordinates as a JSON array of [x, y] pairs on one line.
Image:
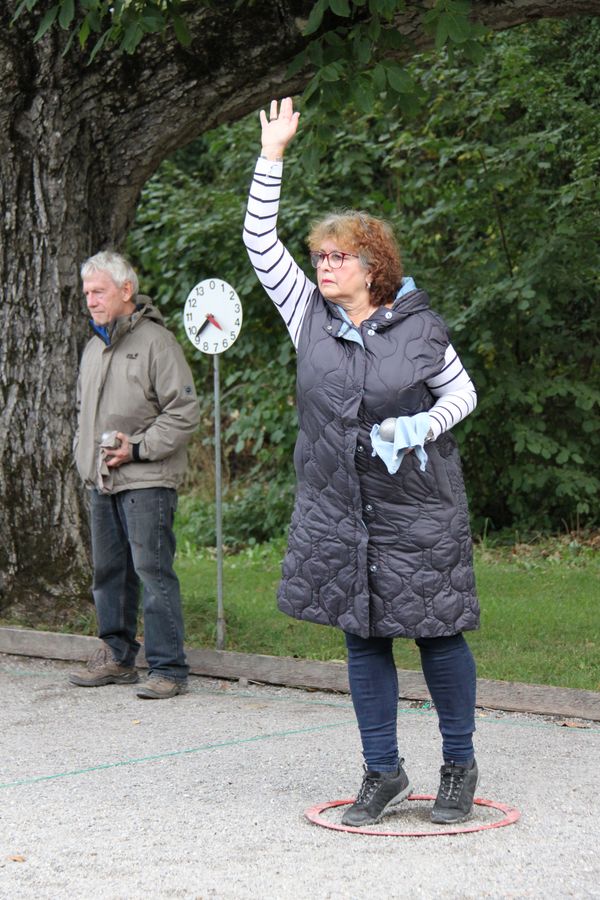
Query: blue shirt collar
[[102, 332]]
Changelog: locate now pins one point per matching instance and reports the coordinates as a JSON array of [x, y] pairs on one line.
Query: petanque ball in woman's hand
[[387, 430]]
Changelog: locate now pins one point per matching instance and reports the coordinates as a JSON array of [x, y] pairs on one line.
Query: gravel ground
[[108, 797]]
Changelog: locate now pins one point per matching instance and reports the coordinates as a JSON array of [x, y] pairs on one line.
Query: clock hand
[[204, 325], [213, 321]]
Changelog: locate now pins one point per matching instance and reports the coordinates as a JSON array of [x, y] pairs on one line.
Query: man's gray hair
[[115, 265]]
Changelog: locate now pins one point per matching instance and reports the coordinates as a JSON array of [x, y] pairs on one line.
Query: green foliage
[[493, 191], [251, 515], [109, 23], [357, 52], [188, 228], [348, 49], [501, 186]]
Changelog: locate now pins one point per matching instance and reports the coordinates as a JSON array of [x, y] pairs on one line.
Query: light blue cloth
[[410, 432], [408, 285]]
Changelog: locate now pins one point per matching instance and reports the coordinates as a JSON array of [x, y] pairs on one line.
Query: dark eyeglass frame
[[317, 257]]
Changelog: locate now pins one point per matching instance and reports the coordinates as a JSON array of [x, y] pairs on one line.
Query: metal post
[[219, 510]]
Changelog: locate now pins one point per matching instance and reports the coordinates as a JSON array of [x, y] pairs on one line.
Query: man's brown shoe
[[102, 669], [158, 688]]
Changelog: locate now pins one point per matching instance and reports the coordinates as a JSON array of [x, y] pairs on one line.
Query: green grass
[[540, 603], [539, 612], [539, 626]]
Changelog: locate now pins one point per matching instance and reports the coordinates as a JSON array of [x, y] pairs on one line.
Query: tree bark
[[77, 144]]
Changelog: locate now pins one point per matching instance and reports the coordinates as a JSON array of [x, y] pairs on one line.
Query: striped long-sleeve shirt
[[290, 290]]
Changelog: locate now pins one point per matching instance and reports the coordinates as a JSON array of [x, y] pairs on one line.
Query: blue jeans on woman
[[132, 543], [449, 670]]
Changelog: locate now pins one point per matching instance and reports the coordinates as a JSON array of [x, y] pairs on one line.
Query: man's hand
[[119, 455]]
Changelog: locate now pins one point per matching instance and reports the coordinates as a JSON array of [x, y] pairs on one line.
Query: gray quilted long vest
[[372, 553]]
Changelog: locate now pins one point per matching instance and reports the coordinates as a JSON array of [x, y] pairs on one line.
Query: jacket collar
[[408, 300], [111, 333]]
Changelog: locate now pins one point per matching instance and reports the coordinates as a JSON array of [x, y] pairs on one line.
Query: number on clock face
[[212, 316]]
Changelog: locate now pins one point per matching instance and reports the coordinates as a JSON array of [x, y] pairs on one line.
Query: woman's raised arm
[[283, 280]]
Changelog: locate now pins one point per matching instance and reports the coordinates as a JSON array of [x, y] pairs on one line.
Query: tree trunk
[[77, 143], [44, 569]]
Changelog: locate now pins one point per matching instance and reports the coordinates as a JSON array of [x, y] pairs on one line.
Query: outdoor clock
[[212, 316]]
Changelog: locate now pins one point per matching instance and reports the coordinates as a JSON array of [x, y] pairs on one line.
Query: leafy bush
[[501, 187], [251, 515], [493, 190]]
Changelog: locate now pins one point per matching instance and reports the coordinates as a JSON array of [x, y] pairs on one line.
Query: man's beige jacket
[[140, 384]]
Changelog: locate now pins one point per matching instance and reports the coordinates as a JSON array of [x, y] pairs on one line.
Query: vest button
[[371, 332], [360, 448], [330, 328], [373, 568], [388, 315], [369, 507]]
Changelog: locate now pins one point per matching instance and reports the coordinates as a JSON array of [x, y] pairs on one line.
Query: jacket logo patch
[[132, 355]]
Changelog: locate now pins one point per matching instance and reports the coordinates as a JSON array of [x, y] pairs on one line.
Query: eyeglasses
[[335, 259]]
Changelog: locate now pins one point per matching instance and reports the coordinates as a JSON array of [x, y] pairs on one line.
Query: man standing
[[137, 409]]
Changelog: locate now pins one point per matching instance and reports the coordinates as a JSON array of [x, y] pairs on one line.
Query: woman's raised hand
[[279, 129]]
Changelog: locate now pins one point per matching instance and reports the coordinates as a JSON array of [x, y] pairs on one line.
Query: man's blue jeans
[[449, 670], [132, 543]]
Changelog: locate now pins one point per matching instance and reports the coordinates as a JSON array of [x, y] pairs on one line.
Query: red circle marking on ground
[[511, 816]]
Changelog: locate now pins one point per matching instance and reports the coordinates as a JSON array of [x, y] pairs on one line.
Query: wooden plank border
[[312, 674]]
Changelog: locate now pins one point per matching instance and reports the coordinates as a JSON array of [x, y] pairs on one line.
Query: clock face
[[212, 316]]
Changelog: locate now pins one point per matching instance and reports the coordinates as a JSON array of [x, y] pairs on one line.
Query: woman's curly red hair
[[374, 242]]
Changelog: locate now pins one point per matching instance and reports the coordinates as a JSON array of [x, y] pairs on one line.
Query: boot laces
[[98, 659], [452, 781], [367, 789]]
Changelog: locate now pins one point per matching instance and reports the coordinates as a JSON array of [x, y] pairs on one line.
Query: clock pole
[[218, 508], [212, 318]]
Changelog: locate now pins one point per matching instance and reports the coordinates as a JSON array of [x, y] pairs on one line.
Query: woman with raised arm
[[379, 542]]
